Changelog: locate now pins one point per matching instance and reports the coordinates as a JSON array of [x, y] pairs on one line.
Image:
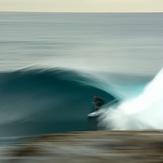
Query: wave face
[[144, 112], [45, 101]]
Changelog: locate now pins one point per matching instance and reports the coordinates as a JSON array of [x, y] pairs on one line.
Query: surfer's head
[[96, 97]]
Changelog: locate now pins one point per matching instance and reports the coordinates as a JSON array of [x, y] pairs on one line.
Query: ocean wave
[[35, 101]]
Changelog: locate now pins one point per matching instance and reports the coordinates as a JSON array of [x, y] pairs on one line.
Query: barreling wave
[[41, 101]]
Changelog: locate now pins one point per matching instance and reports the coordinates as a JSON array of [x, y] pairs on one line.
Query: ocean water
[[52, 64]]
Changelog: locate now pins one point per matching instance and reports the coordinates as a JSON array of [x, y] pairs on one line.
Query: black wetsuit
[[98, 102]]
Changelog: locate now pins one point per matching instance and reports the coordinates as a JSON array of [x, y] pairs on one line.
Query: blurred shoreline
[[92, 146]]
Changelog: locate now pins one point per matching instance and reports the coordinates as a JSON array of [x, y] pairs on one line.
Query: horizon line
[[84, 11]]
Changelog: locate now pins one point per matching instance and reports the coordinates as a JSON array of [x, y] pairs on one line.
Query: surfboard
[[96, 113]]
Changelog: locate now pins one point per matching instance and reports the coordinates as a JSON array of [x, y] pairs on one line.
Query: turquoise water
[[52, 64]]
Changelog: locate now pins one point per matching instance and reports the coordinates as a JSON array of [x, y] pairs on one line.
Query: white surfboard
[[96, 113]]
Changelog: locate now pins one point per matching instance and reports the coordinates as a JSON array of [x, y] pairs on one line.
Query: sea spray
[[144, 112]]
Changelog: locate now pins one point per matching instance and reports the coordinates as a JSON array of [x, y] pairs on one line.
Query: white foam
[[140, 113]]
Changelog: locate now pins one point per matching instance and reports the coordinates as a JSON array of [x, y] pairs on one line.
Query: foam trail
[[143, 112]]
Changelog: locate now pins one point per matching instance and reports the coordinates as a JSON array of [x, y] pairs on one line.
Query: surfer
[[98, 102]]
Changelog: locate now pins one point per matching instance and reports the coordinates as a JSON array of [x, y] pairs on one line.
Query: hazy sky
[[82, 5]]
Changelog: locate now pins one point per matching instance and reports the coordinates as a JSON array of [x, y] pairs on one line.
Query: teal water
[[45, 101]]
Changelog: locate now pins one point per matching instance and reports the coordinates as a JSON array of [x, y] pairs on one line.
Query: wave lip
[[144, 112]]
